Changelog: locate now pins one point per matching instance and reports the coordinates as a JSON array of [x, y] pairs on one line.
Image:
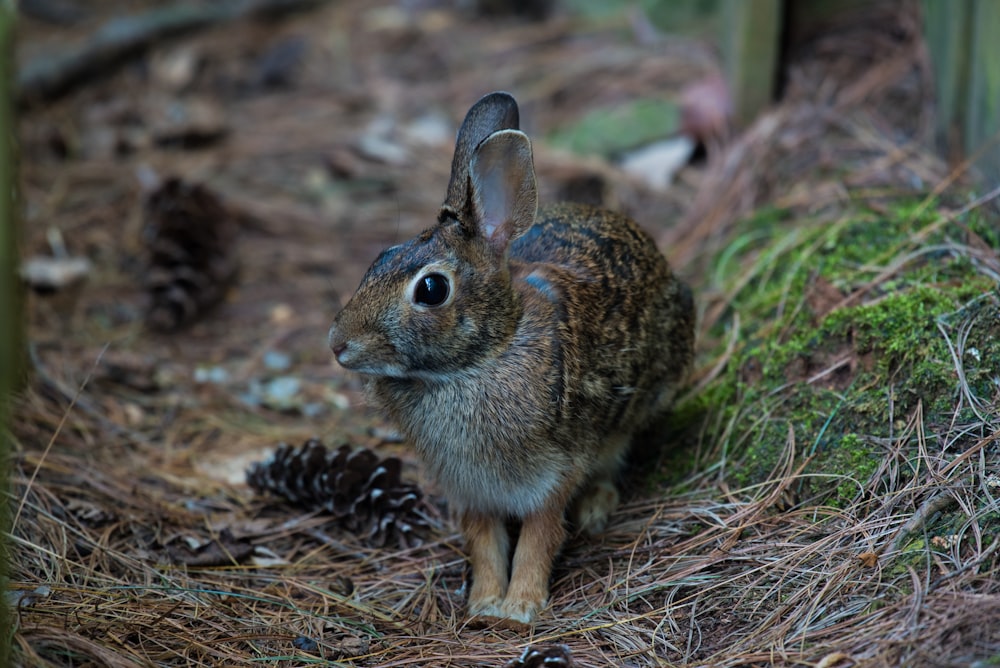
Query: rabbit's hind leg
[[599, 496], [593, 508]]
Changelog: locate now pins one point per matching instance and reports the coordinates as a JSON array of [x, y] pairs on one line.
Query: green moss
[[676, 463], [616, 129], [845, 328], [852, 458], [913, 555], [986, 229]]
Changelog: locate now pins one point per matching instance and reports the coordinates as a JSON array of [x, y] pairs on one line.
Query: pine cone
[[190, 236], [364, 493], [535, 656]]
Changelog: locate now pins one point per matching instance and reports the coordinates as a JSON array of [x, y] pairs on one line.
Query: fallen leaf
[[657, 163], [353, 646], [221, 552], [836, 660]]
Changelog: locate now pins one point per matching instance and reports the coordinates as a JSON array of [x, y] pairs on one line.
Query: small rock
[[190, 122], [23, 599], [430, 129], [281, 313], [277, 361], [51, 274], [175, 69], [378, 144], [305, 644], [279, 64], [281, 393], [216, 375]]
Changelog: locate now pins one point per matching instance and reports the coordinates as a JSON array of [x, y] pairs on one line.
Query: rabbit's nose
[[337, 341], [338, 347]]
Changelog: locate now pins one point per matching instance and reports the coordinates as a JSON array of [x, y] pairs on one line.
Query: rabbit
[[520, 352]]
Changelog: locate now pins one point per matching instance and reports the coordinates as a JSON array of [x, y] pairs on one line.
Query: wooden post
[[751, 47], [983, 111], [964, 43], [11, 316], [947, 30]]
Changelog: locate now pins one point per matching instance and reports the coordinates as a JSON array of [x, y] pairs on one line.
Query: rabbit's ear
[[492, 113], [502, 187]]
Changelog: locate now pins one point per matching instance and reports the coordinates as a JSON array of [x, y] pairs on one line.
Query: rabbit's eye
[[431, 290]]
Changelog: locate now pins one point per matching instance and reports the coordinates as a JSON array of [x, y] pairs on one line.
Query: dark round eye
[[431, 290]]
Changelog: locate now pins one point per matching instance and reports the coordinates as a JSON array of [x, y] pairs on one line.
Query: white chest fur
[[479, 437]]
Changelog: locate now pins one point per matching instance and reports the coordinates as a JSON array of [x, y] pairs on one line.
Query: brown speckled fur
[[564, 334]]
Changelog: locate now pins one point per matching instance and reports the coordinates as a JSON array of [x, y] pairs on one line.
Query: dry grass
[[702, 578], [129, 547]]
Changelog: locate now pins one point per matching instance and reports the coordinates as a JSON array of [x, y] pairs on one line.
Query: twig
[[54, 74], [927, 509], [987, 553]]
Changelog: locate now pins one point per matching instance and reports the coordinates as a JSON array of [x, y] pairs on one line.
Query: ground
[[824, 495]]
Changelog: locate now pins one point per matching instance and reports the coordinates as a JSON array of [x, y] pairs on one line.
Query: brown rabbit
[[520, 354]]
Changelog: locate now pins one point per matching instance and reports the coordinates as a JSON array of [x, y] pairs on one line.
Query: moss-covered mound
[[844, 339]]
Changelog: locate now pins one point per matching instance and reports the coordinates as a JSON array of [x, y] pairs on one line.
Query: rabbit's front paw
[[489, 607], [521, 611]]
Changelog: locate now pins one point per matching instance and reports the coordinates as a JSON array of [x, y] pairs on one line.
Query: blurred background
[[327, 128]]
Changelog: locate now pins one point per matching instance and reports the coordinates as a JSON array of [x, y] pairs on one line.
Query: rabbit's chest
[[485, 452]]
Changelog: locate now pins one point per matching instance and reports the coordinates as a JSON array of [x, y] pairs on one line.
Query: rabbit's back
[[628, 322]]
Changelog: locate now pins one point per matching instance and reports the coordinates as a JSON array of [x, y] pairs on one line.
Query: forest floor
[[830, 498]]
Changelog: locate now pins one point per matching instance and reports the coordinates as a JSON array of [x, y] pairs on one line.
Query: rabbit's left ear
[[492, 113], [502, 187]]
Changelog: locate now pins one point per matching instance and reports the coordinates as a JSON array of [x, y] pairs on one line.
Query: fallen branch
[[54, 74], [921, 517]]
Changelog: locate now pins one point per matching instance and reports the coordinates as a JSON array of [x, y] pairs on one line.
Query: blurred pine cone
[[363, 492], [537, 657], [191, 237]]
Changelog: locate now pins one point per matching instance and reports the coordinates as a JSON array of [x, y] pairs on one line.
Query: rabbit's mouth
[[374, 369], [356, 358], [352, 358]]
